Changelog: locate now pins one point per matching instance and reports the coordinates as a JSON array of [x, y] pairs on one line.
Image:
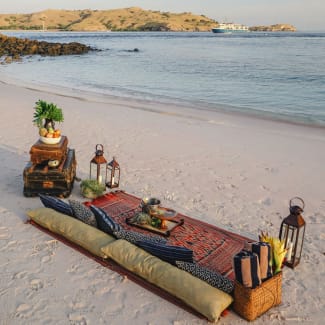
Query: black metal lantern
[[98, 165], [292, 232], [113, 168]]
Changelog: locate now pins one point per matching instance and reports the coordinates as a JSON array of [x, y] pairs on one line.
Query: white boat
[[230, 28]]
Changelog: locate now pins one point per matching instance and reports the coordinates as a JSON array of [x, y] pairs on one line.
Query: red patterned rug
[[213, 247]]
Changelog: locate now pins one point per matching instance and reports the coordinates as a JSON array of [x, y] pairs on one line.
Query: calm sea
[[278, 75]]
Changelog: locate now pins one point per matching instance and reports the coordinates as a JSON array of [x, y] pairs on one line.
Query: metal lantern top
[[99, 158], [295, 219], [114, 164]]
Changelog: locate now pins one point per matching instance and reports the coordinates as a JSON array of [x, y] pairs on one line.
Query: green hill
[[128, 19]]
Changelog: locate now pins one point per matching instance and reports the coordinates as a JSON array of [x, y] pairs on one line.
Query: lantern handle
[[99, 150], [300, 199]]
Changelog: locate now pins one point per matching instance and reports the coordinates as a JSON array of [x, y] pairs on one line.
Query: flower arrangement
[[278, 250]]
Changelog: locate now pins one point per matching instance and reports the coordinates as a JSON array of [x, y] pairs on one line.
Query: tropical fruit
[[42, 132]]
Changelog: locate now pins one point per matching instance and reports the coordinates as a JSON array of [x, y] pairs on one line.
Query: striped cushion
[[213, 278], [169, 254], [133, 237], [83, 213], [104, 221], [56, 204]]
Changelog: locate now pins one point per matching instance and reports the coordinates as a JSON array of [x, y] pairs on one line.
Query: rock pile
[[13, 48]]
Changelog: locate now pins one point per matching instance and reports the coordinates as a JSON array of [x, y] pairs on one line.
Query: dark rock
[[13, 48]]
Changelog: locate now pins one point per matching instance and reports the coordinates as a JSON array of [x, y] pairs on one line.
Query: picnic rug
[[212, 247]]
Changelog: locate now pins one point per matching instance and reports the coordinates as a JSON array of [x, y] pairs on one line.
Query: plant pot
[[88, 193], [91, 189]]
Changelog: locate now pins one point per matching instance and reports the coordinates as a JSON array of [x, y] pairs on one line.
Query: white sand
[[231, 171]]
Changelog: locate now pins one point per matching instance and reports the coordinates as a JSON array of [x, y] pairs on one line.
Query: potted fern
[[45, 116]]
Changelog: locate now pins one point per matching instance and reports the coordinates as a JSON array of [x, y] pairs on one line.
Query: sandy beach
[[229, 170]]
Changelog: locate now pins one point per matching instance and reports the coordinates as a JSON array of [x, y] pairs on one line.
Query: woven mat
[[213, 247]]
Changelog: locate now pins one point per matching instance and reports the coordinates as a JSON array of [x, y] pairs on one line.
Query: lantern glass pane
[[284, 232], [300, 242], [290, 236], [98, 172]]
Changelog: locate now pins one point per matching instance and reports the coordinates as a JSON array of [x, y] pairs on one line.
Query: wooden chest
[[52, 181], [41, 152]]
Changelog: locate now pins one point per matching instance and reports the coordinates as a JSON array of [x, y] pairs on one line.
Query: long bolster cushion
[[202, 297], [88, 237]]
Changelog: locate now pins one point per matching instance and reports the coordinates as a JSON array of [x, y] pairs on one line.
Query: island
[[127, 19], [274, 28]]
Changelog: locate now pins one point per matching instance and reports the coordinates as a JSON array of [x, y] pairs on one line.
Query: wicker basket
[[251, 303]]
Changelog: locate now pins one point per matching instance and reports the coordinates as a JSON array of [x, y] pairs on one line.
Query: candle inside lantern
[[100, 179], [289, 252], [112, 181]]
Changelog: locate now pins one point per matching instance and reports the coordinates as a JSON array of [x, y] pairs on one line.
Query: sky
[[303, 14]]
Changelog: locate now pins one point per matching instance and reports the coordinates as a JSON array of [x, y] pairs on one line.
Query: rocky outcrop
[[274, 28], [13, 48]]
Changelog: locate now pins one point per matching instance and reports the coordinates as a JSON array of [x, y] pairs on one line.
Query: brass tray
[[169, 222]]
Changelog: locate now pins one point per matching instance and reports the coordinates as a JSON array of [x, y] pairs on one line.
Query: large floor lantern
[[98, 163], [292, 232]]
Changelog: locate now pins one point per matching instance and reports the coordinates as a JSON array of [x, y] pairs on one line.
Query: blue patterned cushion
[[133, 237], [213, 278], [104, 221], [83, 213], [169, 254], [56, 204]]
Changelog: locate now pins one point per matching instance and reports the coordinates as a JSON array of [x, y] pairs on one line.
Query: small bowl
[[53, 163], [153, 202], [150, 205], [50, 140]]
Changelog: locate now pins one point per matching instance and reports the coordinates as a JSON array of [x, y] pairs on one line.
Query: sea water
[[275, 75]]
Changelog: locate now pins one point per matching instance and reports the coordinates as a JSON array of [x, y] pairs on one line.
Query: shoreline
[[184, 107], [227, 170]]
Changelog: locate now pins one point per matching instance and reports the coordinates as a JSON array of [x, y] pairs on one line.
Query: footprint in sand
[[46, 259], [4, 233], [77, 319], [36, 284], [266, 201], [20, 275], [23, 311]]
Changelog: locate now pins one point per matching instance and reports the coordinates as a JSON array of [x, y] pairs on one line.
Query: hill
[[128, 19]]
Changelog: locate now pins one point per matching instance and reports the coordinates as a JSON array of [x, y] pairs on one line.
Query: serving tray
[[169, 221]]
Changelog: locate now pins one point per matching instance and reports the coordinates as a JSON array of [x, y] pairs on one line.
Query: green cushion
[[202, 297], [72, 229]]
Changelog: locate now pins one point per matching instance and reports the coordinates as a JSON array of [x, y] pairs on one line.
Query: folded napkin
[[264, 253], [247, 269]]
